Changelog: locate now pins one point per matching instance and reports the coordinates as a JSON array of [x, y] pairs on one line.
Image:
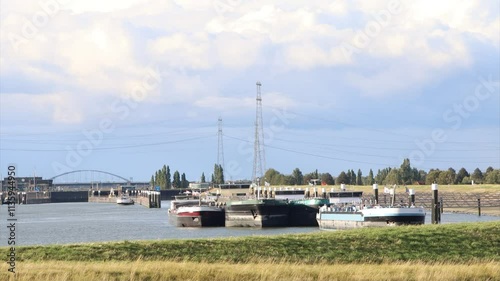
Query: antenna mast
[[259, 160], [220, 146]]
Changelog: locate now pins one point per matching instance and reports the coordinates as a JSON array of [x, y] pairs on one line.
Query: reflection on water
[[63, 223]]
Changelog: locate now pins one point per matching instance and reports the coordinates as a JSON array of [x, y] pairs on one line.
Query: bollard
[[411, 191], [435, 218], [375, 190], [479, 206]]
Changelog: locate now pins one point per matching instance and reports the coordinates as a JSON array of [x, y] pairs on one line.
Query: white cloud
[[237, 51], [235, 104], [98, 6], [56, 108], [93, 48], [182, 50]]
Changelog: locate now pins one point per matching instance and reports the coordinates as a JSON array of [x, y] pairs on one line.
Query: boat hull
[[303, 212], [371, 218], [200, 217], [125, 201], [262, 213]]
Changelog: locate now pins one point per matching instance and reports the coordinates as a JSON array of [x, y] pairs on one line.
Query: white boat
[[124, 200], [354, 216], [347, 210]]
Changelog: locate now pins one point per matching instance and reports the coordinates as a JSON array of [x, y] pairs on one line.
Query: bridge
[[86, 179]]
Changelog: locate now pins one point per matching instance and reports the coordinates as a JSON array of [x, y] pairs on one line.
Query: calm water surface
[[64, 223]]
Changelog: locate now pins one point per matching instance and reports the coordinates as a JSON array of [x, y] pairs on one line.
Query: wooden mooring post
[[436, 210], [479, 206]]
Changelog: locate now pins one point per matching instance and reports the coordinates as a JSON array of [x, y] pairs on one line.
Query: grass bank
[[167, 270], [450, 243]]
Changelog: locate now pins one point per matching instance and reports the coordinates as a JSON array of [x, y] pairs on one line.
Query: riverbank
[[461, 242], [464, 251]]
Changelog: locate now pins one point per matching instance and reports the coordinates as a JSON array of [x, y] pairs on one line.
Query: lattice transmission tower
[[220, 145], [259, 159]]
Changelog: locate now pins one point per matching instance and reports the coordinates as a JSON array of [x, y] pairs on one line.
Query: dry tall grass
[[164, 270]]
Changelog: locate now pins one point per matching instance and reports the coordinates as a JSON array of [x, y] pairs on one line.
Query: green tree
[[311, 176], [184, 181], [406, 172], [370, 180], [176, 182], [159, 178], [163, 173], [288, 180], [273, 177], [446, 177], [167, 178], [477, 176], [327, 179], [466, 180], [493, 177], [202, 179], [432, 176], [152, 181], [359, 179], [462, 173], [381, 174], [297, 176], [342, 178], [422, 176], [353, 178], [488, 170], [348, 177], [394, 177], [218, 176], [452, 174]]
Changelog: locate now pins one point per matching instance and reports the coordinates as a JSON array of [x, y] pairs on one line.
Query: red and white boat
[[198, 216]]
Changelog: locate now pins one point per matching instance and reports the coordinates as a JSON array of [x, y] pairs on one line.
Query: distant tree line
[[405, 174], [162, 178]]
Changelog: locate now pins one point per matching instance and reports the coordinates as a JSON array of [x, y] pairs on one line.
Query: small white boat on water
[[124, 200]]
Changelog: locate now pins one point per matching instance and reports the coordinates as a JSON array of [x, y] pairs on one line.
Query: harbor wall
[[69, 196]]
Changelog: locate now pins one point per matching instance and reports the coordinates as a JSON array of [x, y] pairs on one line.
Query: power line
[[108, 148]]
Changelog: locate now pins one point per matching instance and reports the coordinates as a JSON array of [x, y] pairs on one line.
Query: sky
[[126, 86]]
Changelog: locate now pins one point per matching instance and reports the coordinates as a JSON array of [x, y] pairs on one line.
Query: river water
[[64, 223]]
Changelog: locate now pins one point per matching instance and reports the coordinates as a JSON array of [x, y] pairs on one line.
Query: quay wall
[[69, 196]]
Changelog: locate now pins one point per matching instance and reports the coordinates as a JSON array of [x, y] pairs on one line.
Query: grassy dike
[[466, 251]]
